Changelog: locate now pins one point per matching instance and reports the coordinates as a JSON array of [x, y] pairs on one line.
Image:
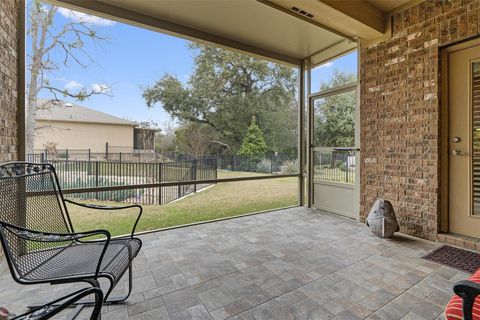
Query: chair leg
[[115, 300], [106, 300], [77, 304]]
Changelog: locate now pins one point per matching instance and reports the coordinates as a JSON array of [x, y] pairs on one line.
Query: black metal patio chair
[[53, 308], [39, 240]]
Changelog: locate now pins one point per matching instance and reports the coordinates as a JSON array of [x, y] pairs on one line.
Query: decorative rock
[[4, 314], [382, 220]]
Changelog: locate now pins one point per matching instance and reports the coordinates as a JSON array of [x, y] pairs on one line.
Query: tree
[[144, 133], [165, 141], [225, 90], [48, 44], [195, 138], [335, 114], [280, 131], [253, 145]]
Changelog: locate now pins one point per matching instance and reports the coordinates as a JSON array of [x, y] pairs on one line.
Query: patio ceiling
[[265, 28]]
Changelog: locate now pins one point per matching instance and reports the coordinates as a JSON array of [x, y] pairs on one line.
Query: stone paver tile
[[216, 298], [290, 298], [377, 299], [220, 314], [180, 300], [156, 313], [237, 307], [179, 281], [115, 315], [307, 309], [412, 316], [144, 306], [158, 291], [181, 315], [198, 312]]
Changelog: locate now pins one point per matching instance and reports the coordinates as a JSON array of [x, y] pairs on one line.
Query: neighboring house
[[70, 126]]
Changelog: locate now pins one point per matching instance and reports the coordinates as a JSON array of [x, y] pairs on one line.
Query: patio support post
[[301, 134], [310, 144], [21, 109]]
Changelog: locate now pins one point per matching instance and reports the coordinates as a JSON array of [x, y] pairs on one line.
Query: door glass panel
[[334, 138], [475, 81]]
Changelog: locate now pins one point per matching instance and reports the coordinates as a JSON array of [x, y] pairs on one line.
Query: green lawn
[[218, 201]]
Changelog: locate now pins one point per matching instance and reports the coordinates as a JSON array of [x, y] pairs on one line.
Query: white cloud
[[73, 85], [100, 88], [83, 17], [326, 65]]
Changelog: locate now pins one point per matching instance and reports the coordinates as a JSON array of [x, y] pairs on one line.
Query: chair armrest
[[112, 208], [468, 291], [38, 236], [53, 308]]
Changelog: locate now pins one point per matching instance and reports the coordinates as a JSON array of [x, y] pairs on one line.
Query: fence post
[[106, 150], [89, 155], [346, 169], [46, 154], [271, 163], [96, 173], [66, 154], [159, 179], [120, 157], [216, 168], [96, 177], [194, 174], [42, 158]]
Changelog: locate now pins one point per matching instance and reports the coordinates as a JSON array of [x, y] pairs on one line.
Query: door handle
[[459, 153]]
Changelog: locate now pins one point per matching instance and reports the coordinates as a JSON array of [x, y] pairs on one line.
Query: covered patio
[[302, 262], [295, 263]]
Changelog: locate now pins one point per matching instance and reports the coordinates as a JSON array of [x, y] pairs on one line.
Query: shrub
[[290, 166], [115, 196], [264, 166], [338, 163], [342, 167]]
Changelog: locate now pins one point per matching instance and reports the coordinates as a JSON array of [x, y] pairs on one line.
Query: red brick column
[[9, 32], [399, 106]]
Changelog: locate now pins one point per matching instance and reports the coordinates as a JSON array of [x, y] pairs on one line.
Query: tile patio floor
[[289, 264]]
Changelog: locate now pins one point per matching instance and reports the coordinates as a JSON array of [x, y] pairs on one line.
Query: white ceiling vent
[[302, 12]]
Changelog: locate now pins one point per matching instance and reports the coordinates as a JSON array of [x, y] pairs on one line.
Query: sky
[[133, 58]]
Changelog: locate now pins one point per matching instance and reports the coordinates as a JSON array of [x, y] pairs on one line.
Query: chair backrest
[[30, 198]]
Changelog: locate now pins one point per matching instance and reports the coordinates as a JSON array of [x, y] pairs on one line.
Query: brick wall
[[400, 111], [8, 80]]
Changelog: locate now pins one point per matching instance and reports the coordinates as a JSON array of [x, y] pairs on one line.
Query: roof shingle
[[53, 110]]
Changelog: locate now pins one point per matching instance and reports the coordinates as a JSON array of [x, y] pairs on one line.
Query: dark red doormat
[[464, 260]]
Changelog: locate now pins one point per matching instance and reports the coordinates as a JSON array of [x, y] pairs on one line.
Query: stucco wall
[[77, 135], [400, 111], [9, 30]]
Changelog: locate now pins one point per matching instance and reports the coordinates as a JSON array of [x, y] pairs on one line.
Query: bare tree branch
[[69, 41]]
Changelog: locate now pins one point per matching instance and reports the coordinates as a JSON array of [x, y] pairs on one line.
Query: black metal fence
[[41, 155], [334, 166], [270, 164], [75, 174]]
